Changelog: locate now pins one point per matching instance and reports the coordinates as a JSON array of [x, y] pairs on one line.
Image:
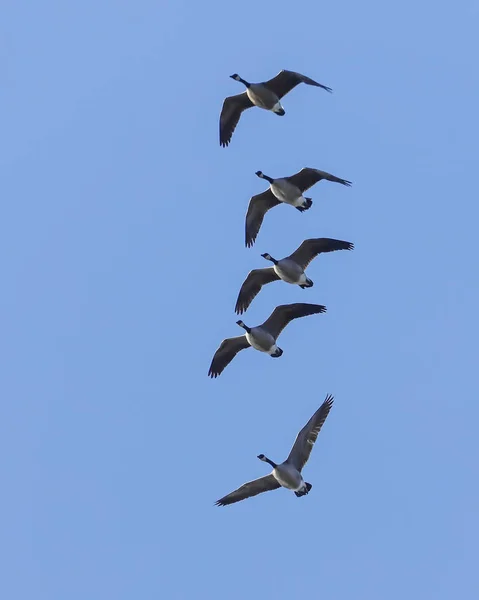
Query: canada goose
[[285, 189], [288, 473], [289, 269], [265, 95], [263, 337]]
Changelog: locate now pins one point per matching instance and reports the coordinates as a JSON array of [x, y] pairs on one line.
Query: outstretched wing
[[247, 490], [258, 207], [285, 81], [251, 287], [233, 106], [228, 349], [284, 314], [307, 177], [304, 442], [309, 249]]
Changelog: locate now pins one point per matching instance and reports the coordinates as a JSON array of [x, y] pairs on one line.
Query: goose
[[288, 190], [289, 269], [263, 337], [266, 95], [288, 473]]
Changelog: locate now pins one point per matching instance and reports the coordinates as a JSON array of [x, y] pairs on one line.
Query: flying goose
[[265, 95], [288, 473], [263, 337], [285, 189], [289, 269]]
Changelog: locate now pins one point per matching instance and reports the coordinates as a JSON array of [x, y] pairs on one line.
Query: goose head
[[245, 327], [269, 257], [236, 77], [261, 175], [266, 459]]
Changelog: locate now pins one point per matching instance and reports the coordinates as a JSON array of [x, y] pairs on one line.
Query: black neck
[[246, 328], [274, 465], [270, 179], [273, 260], [244, 82]]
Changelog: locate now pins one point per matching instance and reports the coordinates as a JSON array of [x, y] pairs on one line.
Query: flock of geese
[[291, 269]]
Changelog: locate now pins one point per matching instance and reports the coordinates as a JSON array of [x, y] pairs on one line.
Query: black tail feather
[[304, 492], [307, 206]]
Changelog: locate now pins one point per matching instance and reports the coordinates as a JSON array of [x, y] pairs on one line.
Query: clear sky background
[[122, 254]]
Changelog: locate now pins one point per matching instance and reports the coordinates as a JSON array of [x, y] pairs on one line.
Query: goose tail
[[306, 206]]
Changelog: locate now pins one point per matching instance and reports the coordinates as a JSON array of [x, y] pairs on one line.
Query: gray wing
[[305, 439], [258, 207], [228, 349], [307, 177], [251, 287], [233, 106], [285, 81], [247, 490], [285, 313], [309, 249]]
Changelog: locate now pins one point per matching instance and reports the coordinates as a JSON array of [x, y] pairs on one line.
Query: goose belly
[[290, 272], [262, 341], [263, 99], [286, 192], [288, 477], [302, 279]]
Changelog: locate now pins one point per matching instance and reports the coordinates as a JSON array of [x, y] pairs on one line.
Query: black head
[[267, 460], [269, 257], [245, 327], [236, 77], [259, 174]]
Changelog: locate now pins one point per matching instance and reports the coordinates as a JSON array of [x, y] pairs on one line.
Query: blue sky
[[122, 254]]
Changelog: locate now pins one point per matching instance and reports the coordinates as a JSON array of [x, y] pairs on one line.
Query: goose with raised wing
[[287, 190], [290, 269], [288, 473], [266, 95], [263, 337]]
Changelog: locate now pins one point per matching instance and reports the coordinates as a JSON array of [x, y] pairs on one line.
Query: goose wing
[[309, 249], [305, 439], [285, 81], [257, 208], [233, 106], [307, 177], [247, 490], [228, 349], [285, 313], [252, 286]]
